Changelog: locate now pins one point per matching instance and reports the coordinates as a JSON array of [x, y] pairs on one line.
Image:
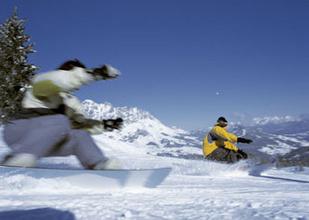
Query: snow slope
[[143, 129], [286, 138], [196, 189]]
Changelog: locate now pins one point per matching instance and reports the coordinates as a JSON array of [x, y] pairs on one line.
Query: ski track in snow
[[194, 190]]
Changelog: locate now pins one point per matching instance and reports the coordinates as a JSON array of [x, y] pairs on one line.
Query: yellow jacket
[[218, 137], [53, 89]]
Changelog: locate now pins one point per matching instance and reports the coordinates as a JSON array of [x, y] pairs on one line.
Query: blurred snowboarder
[[52, 122], [218, 144]]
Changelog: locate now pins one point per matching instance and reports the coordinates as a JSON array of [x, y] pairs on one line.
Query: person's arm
[[79, 121], [244, 140], [229, 139], [223, 135], [230, 146], [224, 138], [106, 124], [104, 72], [74, 110]]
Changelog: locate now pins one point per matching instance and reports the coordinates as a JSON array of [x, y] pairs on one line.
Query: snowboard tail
[[100, 179]]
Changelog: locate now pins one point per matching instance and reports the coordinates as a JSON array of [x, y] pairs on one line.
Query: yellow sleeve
[[230, 146], [232, 137], [223, 134], [44, 89]]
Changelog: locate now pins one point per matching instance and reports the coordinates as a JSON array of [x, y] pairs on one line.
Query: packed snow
[[195, 189]]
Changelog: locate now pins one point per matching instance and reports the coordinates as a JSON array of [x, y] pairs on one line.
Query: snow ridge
[[274, 119], [107, 111], [142, 129], [286, 135]]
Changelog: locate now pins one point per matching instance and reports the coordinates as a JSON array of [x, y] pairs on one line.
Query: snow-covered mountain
[[286, 137], [274, 119], [143, 129]]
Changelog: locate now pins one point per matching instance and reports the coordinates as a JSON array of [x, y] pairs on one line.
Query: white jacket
[[52, 89]]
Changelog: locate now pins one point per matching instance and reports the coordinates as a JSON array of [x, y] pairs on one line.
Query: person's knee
[[81, 133], [61, 123], [61, 119]]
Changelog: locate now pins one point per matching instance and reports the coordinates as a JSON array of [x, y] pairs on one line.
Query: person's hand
[[111, 124], [105, 72], [244, 140], [242, 153]]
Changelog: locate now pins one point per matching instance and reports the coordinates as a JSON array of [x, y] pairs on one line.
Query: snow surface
[[196, 189]]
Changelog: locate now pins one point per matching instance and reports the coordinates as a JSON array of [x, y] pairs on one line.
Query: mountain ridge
[[273, 136]]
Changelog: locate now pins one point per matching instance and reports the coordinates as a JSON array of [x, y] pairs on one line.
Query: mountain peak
[[140, 127], [107, 111], [274, 119]]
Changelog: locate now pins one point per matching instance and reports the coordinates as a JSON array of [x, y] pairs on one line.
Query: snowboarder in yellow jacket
[[219, 144]]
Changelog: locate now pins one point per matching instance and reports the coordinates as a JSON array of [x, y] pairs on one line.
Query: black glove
[[244, 140], [111, 124], [105, 72], [242, 153]]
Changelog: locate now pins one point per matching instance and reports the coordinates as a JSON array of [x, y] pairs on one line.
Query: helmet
[[222, 122], [70, 64]]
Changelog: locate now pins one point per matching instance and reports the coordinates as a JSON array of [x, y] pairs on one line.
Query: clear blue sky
[[186, 62]]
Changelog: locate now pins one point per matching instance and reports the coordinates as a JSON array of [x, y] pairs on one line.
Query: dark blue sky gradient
[[186, 62]]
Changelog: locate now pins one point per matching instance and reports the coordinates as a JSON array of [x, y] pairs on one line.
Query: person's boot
[[20, 160]]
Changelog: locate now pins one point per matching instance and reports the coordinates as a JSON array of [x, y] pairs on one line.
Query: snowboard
[[98, 179]]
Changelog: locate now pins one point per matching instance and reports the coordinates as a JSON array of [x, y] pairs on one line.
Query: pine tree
[[15, 71]]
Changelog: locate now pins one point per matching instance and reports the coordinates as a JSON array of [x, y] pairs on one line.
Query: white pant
[[52, 135]]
